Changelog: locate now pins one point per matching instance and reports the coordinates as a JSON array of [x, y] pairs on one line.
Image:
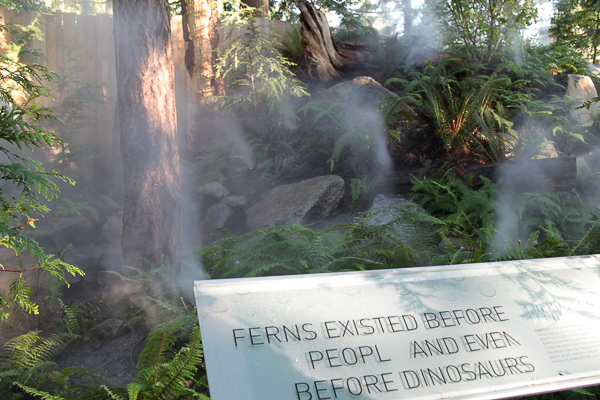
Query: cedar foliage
[[21, 88]]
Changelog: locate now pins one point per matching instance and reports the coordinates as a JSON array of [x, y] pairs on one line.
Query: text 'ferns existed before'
[[486, 331]]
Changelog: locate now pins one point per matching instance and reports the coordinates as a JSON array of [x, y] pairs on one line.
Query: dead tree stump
[[324, 60]]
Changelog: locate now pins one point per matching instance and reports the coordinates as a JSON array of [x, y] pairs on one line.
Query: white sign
[[484, 331]]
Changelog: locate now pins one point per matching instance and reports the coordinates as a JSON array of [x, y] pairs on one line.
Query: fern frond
[[70, 319], [38, 393], [111, 394], [30, 348], [133, 390], [175, 377]]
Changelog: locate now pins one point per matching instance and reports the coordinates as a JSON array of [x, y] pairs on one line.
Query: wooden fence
[[81, 47]]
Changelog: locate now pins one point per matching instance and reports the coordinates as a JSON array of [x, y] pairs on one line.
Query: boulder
[[581, 87], [111, 260], [93, 214], [234, 201], [70, 230], [108, 328], [366, 99], [216, 218], [297, 202], [594, 69], [214, 190], [106, 205]]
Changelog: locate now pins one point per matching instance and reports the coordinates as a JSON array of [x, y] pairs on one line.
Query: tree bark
[[152, 220], [201, 34], [264, 11], [202, 39], [324, 61], [408, 17]]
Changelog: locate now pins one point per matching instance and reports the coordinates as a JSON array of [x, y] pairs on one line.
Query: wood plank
[[26, 17], [112, 60], [87, 43], [106, 78], [104, 47], [69, 45], [40, 44], [59, 42], [80, 47], [89, 23], [3, 33], [12, 17], [50, 35]]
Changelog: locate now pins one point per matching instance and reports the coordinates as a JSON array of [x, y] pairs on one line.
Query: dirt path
[[111, 357]]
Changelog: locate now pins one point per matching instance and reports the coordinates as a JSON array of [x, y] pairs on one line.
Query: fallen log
[[548, 173]]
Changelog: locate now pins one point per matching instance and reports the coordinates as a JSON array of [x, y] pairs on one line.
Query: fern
[[115, 396], [471, 111], [70, 319], [464, 210], [20, 295], [563, 213], [175, 378], [343, 126], [38, 393], [163, 373], [352, 246], [389, 51], [292, 44], [30, 348]]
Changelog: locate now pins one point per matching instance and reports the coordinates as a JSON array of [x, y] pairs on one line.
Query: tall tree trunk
[[408, 17], [201, 31], [152, 221], [201, 34]]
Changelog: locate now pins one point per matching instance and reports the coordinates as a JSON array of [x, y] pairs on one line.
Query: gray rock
[[581, 87], [108, 328], [594, 69], [111, 260], [106, 205], [71, 230], [234, 201], [365, 99], [112, 230], [294, 203], [214, 189], [93, 215], [216, 217]]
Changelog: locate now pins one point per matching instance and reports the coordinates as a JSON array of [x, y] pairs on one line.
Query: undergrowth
[[452, 220], [169, 367], [455, 222]]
